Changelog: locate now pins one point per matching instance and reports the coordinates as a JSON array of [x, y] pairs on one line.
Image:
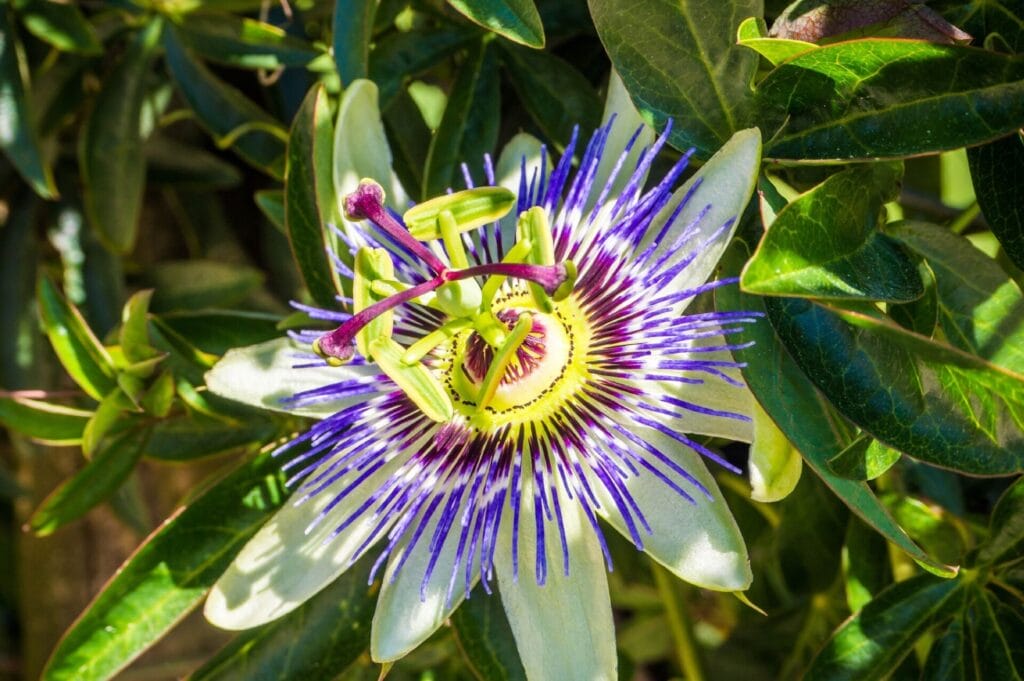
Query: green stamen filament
[[516, 254], [533, 227], [502, 357], [420, 348], [452, 238]]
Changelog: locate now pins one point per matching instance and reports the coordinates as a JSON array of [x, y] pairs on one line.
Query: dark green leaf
[[826, 243], [168, 575], [866, 565], [889, 98], [184, 166], [402, 55], [873, 641], [921, 315], [485, 638], [82, 355], [49, 423], [309, 195], [982, 18], [134, 335], [92, 484], [410, 139], [803, 416], [186, 438], [60, 24], [865, 459], [1006, 533], [353, 30], [271, 204], [469, 127], [19, 137], [929, 525], [110, 152], [517, 20], [242, 42], [226, 113], [193, 284], [556, 95], [997, 171], [810, 536], [925, 398], [996, 627], [218, 332], [978, 304], [316, 642], [679, 60]]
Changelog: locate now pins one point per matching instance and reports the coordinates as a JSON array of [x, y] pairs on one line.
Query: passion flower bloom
[[518, 373]]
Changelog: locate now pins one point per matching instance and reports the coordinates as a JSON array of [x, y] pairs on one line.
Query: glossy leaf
[[889, 98], [679, 60], [921, 396], [100, 478], [42, 421], [803, 416], [469, 128], [556, 95], [134, 334], [865, 459], [217, 332], [866, 569], [485, 639], [60, 24], [775, 465], [193, 284], [871, 643], [353, 30], [83, 357], [19, 138], [753, 33], [309, 201], [1006, 534], [997, 172], [316, 642], [826, 244], [226, 113], [168, 575], [928, 525], [110, 152], [242, 42], [271, 204], [979, 306], [517, 20], [402, 55]]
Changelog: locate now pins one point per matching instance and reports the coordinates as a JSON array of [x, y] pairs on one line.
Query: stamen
[[502, 357], [367, 203], [420, 348], [517, 253], [556, 280]]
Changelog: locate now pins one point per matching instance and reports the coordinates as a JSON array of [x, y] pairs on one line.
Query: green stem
[[675, 612]]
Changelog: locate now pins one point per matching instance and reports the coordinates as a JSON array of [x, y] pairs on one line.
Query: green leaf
[[402, 55], [193, 284], [923, 397], [185, 438], [555, 94], [410, 138], [753, 33], [110, 152], [678, 60], [997, 172], [888, 98], [168, 575], [485, 639], [226, 113], [775, 465], [981, 18], [469, 127], [309, 201], [60, 24], [951, 657], [1006, 530], [19, 138], [866, 565], [871, 643], [134, 335], [810, 536], [244, 43], [172, 162], [100, 478], [865, 459], [803, 415], [929, 525], [353, 30], [977, 300], [107, 415], [517, 20], [826, 243], [51, 424], [217, 332], [83, 357], [316, 642], [271, 204]]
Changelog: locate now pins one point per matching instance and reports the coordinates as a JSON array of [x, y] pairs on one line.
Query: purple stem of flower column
[[367, 203]]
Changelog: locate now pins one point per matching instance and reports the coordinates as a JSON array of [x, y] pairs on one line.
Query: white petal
[[775, 464], [712, 394], [263, 375], [726, 184], [563, 629], [627, 120], [403, 620], [699, 542], [282, 567]]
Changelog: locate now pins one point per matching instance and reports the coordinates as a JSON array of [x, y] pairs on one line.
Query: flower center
[[527, 357]]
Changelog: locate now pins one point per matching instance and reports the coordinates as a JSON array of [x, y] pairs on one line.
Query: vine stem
[[675, 612]]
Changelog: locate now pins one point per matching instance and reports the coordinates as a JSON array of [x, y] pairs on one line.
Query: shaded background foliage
[[163, 189]]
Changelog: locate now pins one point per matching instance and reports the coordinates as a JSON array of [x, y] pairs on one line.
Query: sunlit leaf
[[517, 20]]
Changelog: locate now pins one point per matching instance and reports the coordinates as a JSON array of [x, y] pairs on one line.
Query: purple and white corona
[[518, 376]]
